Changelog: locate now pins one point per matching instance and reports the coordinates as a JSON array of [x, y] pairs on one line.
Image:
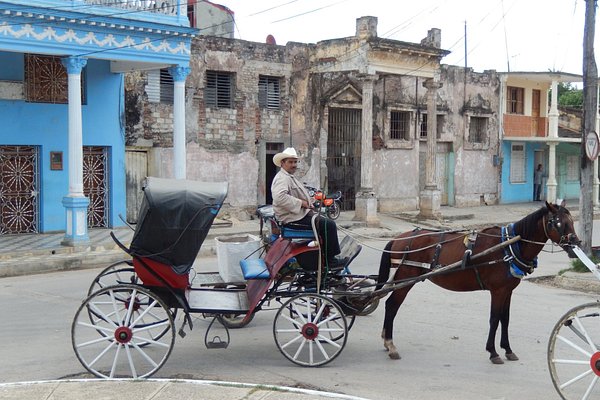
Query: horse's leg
[[496, 310], [504, 330], [392, 304]]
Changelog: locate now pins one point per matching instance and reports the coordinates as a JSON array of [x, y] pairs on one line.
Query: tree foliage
[[569, 95]]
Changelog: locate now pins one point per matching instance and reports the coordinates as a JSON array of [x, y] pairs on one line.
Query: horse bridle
[[555, 223]]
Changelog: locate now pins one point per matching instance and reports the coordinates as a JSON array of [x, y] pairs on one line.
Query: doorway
[[343, 153], [270, 169]]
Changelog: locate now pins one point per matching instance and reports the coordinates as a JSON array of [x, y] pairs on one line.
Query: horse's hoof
[[496, 360], [512, 357], [394, 355]]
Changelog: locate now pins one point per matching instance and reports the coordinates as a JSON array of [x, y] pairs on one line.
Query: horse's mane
[[527, 226]]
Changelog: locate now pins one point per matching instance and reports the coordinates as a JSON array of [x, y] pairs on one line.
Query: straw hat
[[290, 152]]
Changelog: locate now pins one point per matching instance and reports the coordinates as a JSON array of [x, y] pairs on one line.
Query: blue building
[[62, 137], [530, 136]]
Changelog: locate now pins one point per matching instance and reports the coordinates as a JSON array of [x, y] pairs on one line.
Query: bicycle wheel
[[574, 353], [303, 327], [120, 341]]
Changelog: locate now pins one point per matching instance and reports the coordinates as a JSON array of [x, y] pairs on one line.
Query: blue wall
[[566, 189], [46, 125], [518, 192]]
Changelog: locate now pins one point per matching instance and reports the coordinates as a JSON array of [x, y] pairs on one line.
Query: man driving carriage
[[293, 206]]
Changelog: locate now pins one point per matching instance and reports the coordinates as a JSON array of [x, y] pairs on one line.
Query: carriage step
[[217, 343]]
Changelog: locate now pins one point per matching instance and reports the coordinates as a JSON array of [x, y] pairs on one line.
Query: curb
[[100, 385]]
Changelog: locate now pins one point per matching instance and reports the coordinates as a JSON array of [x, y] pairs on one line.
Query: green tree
[[569, 95]]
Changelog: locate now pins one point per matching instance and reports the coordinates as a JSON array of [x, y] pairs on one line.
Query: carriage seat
[[276, 228], [289, 232], [254, 268]]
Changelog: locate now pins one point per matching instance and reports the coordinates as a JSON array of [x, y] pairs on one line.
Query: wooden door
[[535, 112]]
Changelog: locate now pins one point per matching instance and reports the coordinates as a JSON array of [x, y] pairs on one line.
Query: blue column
[[75, 203]]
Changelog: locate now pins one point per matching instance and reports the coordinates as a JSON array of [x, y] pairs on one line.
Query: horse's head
[[559, 227]]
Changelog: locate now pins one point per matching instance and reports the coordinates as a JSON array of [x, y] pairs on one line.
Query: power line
[[308, 12], [272, 8]]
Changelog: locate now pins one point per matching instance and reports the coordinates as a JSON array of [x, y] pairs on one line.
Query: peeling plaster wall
[[229, 143], [476, 178]]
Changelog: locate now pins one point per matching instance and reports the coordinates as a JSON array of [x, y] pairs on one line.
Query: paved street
[[440, 334]]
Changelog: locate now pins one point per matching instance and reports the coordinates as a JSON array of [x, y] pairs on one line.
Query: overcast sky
[[520, 35]]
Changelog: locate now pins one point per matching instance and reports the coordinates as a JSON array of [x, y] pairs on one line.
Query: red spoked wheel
[[574, 353], [310, 330], [130, 335]]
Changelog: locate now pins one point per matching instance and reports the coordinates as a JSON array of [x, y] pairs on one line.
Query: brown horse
[[421, 251]]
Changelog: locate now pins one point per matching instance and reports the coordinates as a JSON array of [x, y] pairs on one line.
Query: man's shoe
[[337, 261]]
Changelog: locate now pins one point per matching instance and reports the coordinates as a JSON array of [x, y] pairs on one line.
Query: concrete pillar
[[595, 181], [551, 183], [366, 200], [75, 202], [179, 75], [552, 133], [553, 114], [430, 197]]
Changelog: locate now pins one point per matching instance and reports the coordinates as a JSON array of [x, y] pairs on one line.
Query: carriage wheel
[[121, 272], [234, 321], [124, 338], [574, 353], [304, 326]]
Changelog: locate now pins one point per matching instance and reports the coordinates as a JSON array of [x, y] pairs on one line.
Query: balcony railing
[[168, 7]]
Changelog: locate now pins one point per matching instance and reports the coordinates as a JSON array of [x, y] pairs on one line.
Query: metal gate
[[343, 153], [95, 185], [19, 188]]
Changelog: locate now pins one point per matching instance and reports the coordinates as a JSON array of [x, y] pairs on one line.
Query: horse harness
[[513, 258], [519, 268]]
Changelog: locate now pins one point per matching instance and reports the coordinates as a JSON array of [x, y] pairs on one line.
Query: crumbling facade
[[354, 108]]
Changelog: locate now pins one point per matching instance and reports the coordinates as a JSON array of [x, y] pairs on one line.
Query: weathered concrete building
[[355, 108]]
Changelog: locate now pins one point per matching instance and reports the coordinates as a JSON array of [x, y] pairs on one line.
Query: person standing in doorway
[[537, 183]]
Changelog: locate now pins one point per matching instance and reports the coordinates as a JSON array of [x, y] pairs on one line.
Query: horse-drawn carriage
[[126, 327]]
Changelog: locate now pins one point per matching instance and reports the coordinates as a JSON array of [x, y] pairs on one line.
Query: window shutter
[[167, 87], [517, 163], [269, 92], [153, 86]]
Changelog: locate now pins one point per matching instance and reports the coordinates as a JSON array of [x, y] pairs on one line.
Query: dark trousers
[[537, 191], [327, 230]]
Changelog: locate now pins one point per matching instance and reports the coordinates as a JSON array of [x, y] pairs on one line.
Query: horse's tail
[[385, 265]]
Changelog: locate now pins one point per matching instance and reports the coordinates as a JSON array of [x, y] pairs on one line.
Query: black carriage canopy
[[174, 219]]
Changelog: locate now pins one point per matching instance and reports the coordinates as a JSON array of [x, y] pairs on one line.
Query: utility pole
[[590, 107]]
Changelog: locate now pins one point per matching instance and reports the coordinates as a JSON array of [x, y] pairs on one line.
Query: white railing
[[168, 7]]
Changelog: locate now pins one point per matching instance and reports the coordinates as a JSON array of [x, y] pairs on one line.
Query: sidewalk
[[157, 389]]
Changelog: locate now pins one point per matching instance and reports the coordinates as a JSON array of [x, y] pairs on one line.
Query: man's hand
[[306, 204]]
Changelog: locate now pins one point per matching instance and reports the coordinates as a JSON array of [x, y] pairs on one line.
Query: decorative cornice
[[104, 41]]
